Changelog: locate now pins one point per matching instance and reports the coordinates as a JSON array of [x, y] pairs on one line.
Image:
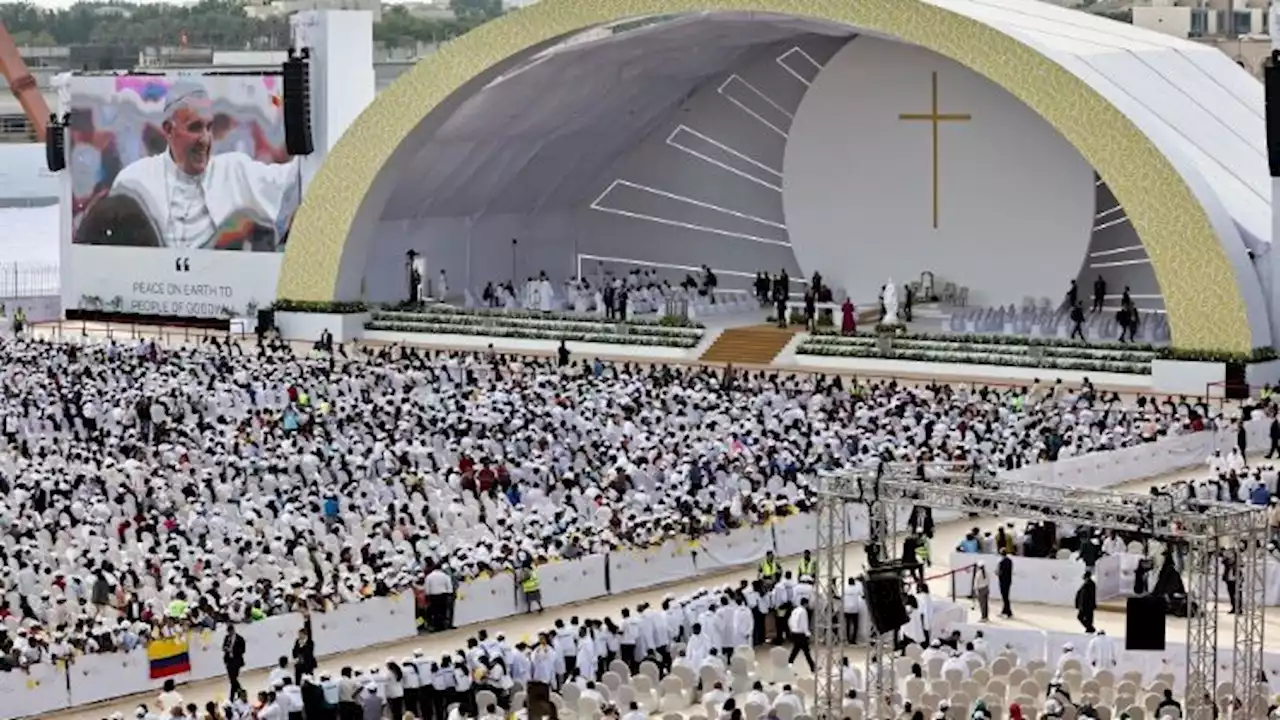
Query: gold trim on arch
[[1205, 307]]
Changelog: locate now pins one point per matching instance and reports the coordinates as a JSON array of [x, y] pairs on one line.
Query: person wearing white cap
[[411, 683], [1068, 654], [371, 701]]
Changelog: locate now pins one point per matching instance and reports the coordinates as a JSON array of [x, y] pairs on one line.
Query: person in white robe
[[744, 624], [587, 660], [699, 647], [189, 193], [544, 662], [726, 627], [546, 296], [1101, 652]]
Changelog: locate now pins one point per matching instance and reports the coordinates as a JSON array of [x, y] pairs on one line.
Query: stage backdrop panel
[[179, 194], [872, 190]]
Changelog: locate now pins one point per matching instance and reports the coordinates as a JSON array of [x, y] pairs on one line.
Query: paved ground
[[947, 536]]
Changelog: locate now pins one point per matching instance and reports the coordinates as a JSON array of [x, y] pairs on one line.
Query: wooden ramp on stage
[[751, 345]]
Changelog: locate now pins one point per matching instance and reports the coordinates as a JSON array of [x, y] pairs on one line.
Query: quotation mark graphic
[[182, 264]]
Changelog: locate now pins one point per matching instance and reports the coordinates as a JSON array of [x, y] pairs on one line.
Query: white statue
[[889, 297]]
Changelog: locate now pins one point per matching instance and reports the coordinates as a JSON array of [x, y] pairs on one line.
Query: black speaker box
[[55, 145], [1144, 623], [1271, 78], [884, 602], [297, 104], [266, 319]]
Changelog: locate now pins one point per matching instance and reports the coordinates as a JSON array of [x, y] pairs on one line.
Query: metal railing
[[18, 279]]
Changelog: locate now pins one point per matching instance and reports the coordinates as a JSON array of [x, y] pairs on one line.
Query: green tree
[[476, 9], [220, 24]]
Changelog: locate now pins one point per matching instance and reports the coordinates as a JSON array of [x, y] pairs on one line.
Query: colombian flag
[[168, 657]]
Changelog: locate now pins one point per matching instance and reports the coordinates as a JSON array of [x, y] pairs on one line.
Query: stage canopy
[[665, 134]]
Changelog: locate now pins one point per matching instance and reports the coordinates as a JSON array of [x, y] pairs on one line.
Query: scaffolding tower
[[1210, 531]]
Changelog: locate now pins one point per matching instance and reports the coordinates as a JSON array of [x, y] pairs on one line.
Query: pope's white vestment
[[188, 210]]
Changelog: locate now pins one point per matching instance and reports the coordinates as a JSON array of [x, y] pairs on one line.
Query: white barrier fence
[[1047, 581], [91, 678]]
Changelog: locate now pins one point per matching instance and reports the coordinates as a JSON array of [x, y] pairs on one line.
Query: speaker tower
[[297, 102], [1271, 79], [884, 601], [55, 145], [1144, 626]]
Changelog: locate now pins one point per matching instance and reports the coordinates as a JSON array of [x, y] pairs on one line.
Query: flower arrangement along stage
[[988, 350], [546, 331]]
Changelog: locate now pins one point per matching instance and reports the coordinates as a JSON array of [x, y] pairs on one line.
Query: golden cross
[[934, 117]]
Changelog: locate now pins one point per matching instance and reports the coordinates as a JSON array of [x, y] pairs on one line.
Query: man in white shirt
[[590, 692], [955, 663], [1101, 652], [635, 713], [290, 700], [656, 622], [798, 626], [980, 646], [758, 695], [439, 587], [410, 682], [699, 647], [932, 652], [852, 602], [716, 696], [713, 660], [271, 710], [280, 672], [194, 198], [725, 618], [630, 634], [788, 697]]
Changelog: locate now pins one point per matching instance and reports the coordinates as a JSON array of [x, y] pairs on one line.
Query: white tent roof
[[1205, 112], [544, 140], [542, 135]]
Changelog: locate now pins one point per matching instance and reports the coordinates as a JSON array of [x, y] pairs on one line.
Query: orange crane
[[22, 84]]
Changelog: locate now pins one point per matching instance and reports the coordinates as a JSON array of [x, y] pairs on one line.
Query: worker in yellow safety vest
[[769, 570], [808, 568], [529, 586]]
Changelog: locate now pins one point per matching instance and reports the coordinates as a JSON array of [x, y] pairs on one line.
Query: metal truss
[[828, 618], [1247, 675], [1202, 627], [1176, 516]]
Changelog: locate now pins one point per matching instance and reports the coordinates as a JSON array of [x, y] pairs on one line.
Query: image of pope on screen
[[173, 166]]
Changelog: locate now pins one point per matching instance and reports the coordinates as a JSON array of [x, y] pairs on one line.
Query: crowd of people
[[144, 488], [696, 637], [636, 293]]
